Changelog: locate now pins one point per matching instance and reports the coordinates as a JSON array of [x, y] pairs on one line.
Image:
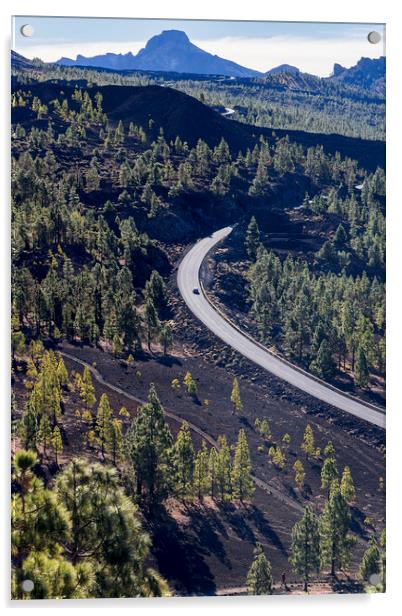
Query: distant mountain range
[[367, 73], [170, 51], [173, 52], [19, 62]]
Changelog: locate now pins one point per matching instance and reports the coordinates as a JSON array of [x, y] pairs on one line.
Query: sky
[[312, 47]]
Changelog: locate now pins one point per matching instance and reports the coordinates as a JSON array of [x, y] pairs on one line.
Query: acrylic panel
[[198, 308]]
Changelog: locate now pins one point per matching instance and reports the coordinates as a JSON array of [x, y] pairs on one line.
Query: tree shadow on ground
[[236, 517], [245, 422], [180, 555], [262, 524], [208, 528], [357, 524], [168, 360], [347, 586]]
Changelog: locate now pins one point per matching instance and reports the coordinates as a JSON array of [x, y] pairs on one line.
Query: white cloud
[[311, 55], [316, 56], [51, 53]]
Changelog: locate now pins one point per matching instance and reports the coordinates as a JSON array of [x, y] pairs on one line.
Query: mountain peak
[[338, 69], [169, 51], [283, 68], [176, 38]]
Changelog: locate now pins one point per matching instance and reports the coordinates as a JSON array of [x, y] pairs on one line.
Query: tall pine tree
[[259, 577], [335, 540], [149, 444], [305, 548], [243, 485]]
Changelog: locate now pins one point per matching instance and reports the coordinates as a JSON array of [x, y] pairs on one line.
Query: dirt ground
[[203, 547]]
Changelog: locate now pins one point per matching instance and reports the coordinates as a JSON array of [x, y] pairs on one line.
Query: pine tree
[[45, 397], [28, 427], [324, 365], [252, 239], [155, 289], [278, 458], [87, 390], [57, 443], [114, 441], [24, 461], [335, 540], [224, 470], [263, 428], [54, 577], [371, 561], [166, 337], [213, 472], [221, 152], [106, 526], [151, 321], [329, 472], [329, 450], [124, 412], [190, 384], [119, 133], [235, 397], [361, 368], [45, 433], [308, 444], [347, 486], [149, 444], [242, 481], [260, 181], [17, 336], [340, 237], [40, 524], [259, 577], [103, 421], [175, 384], [183, 457], [62, 373], [300, 475], [305, 548], [200, 478], [117, 346]]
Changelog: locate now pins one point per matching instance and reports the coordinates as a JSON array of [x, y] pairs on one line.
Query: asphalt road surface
[[228, 111], [188, 280]]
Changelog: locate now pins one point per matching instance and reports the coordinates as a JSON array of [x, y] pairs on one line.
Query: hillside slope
[[180, 114]]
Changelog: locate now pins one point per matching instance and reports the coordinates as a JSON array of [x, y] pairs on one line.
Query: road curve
[[188, 278]]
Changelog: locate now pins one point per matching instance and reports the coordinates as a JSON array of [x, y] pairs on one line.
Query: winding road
[[228, 111], [188, 279]]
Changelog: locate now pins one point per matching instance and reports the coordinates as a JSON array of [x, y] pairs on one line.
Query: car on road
[[196, 291]]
